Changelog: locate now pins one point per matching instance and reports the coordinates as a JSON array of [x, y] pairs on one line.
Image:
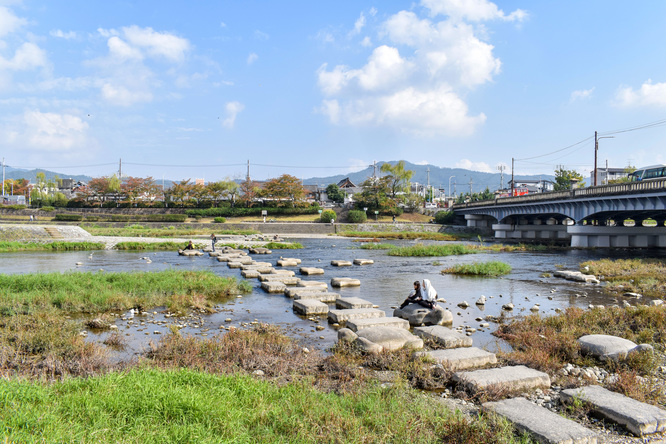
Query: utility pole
[[428, 189], [512, 181], [374, 169], [470, 187], [3, 177], [120, 170], [596, 148], [248, 171], [501, 167]]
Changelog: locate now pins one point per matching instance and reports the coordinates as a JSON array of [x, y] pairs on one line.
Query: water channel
[[385, 283]]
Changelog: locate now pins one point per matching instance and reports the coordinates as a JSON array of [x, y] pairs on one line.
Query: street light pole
[[450, 185], [596, 148]]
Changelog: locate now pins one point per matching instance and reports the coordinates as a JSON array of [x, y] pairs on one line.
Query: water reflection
[[385, 283]]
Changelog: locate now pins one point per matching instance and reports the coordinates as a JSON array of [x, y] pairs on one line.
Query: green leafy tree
[[627, 170], [375, 194], [565, 179], [286, 187], [335, 194], [397, 177]]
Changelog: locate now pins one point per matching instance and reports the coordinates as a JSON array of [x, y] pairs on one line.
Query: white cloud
[[122, 96], [472, 10], [27, 56], [359, 24], [54, 132], [581, 94], [418, 76], [118, 48], [474, 166], [9, 22], [366, 42], [232, 109], [158, 44], [252, 58], [259, 35], [649, 94], [63, 35]]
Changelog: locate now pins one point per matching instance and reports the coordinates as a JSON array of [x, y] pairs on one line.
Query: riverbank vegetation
[[7, 247], [549, 343], [138, 230], [423, 235], [421, 250], [644, 276], [491, 268], [75, 292]]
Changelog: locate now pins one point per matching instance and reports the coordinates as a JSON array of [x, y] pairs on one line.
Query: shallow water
[[385, 283]]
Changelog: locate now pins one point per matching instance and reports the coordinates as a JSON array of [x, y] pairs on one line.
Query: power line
[[636, 128]]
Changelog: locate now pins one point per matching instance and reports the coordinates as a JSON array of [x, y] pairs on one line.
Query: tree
[[248, 192], [222, 189], [335, 194], [134, 187], [398, 177], [285, 187], [627, 170], [564, 179], [179, 192], [375, 194]]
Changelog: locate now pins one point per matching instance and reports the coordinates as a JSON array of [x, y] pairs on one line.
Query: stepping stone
[[214, 253], [444, 336], [462, 358], [313, 285], [544, 425], [260, 250], [243, 260], [322, 296], [292, 259], [388, 338], [337, 316], [610, 347], [234, 264], [283, 272], [363, 262], [338, 263], [303, 292], [311, 270], [638, 417], [273, 287], [349, 303], [287, 280], [228, 257], [287, 263], [310, 307], [514, 378], [360, 324], [345, 282], [254, 265], [249, 274]]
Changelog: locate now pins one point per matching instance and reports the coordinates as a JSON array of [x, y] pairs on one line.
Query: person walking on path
[[213, 240]]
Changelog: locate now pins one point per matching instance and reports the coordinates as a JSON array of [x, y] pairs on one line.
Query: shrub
[[69, 217], [444, 217], [219, 220], [327, 215], [47, 208], [357, 217], [254, 211]]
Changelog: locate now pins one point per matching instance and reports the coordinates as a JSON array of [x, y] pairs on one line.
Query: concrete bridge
[[622, 215]]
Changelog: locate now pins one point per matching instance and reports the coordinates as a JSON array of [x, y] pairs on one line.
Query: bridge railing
[[601, 190]]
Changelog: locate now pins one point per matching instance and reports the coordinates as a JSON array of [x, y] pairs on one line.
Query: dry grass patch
[[644, 276]]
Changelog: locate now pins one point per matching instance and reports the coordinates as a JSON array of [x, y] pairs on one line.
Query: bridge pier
[[585, 236], [478, 220], [547, 232]]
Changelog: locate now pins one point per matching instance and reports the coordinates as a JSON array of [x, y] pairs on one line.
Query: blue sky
[[196, 89]]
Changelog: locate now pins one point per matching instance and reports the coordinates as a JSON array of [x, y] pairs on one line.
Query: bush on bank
[[254, 211], [327, 215]]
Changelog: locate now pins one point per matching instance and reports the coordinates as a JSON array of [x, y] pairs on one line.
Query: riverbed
[[385, 283]]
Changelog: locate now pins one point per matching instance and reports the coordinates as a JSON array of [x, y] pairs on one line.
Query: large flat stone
[[337, 316], [348, 303], [444, 336], [249, 274], [360, 324], [345, 282], [544, 425], [243, 260], [310, 307], [287, 280], [313, 285], [273, 287], [462, 358], [341, 263], [391, 338], [514, 378], [363, 262], [300, 292], [255, 265], [322, 296], [228, 257], [283, 272], [287, 263], [311, 271], [638, 417]]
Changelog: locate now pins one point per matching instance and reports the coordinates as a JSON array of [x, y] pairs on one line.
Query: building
[[605, 175], [528, 186]]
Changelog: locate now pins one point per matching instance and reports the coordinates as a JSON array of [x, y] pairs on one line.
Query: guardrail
[[601, 190]]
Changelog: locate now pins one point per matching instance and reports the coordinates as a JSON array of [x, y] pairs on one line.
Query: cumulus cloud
[[123, 96], [417, 78], [27, 56], [63, 35], [157, 44], [231, 111], [649, 94], [474, 166], [53, 132], [581, 94], [359, 24], [252, 58], [471, 10], [9, 22]]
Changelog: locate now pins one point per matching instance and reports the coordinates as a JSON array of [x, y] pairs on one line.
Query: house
[[604, 175], [529, 186]]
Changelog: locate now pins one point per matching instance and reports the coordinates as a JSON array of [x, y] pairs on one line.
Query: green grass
[[373, 246], [170, 231], [153, 406], [644, 276], [421, 250], [154, 246], [75, 292], [6, 247], [283, 246], [425, 235], [492, 268]]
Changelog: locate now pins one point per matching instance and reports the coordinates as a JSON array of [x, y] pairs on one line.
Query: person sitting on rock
[[190, 246], [428, 295], [414, 296]]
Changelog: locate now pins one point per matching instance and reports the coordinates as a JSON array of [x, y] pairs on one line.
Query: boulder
[[345, 334], [260, 250], [363, 262], [311, 270], [419, 315], [610, 347], [341, 263], [345, 282]]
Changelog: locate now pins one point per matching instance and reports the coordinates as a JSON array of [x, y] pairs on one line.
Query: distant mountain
[[459, 178], [31, 175]]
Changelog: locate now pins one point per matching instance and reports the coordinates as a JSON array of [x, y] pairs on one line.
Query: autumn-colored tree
[[134, 187], [179, 192], [16, 186], [249, 191], [223, 189], [285, 187]]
